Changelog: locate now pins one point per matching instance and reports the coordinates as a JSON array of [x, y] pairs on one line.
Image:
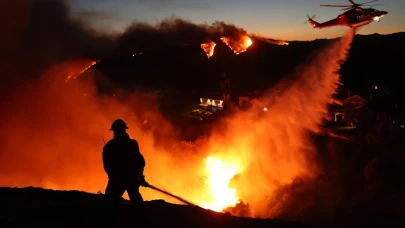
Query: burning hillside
[[239, 44], [176, 32], [75, 115], [76, 73], [52, 134], [267, 153], [209, 48], [69, 118]]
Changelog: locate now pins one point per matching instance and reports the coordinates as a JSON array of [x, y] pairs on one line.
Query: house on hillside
[[352, 111], [261, 102], [243, 102], [208, 108], [357, 111], [211, 103]]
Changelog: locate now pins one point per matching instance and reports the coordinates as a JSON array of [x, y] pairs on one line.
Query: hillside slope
[[35, 207], [373, 59]]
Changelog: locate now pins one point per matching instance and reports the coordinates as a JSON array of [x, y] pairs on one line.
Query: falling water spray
[[276, 149]]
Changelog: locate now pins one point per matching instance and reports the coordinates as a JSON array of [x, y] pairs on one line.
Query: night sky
[[278, 19]]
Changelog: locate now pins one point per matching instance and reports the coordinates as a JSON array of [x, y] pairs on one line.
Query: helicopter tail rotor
[[309, 18]]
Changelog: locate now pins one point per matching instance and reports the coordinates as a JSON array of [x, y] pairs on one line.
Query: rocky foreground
[[36, 207]]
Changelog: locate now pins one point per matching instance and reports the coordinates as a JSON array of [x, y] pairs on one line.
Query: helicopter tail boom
[[313, 23]]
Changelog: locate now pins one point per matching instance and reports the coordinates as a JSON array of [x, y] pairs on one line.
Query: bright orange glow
[[74, 73], [54, 138], [219, 174], [209, 48], [238, 45], [270, 41]]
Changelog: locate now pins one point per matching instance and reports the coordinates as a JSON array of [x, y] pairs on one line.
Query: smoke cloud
[[173, 32], [51, 131], [41, 33]]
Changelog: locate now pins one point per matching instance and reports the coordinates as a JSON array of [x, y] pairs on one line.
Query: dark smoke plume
[[173, 32], [40, 33], [51, 132], [170, 32]]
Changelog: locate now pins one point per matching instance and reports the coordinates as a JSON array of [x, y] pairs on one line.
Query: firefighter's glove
[[142, 181]]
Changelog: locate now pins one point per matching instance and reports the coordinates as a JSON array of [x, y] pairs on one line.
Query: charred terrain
[[48, 208], [63, 83]]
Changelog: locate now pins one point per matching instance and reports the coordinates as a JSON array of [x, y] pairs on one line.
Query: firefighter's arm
[[140, 159], [142, 162], [106, 159], [141, 165]]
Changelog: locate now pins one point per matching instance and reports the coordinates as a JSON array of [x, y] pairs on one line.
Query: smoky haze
[[277, 148], [39, 33], [52, 131], [44, 32], [173, 32]]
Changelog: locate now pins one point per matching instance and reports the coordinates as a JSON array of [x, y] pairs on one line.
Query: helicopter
[[354, 17]]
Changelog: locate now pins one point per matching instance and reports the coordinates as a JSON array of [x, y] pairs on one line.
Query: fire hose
[[169, 194]]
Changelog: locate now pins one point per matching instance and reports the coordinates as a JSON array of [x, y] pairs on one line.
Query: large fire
[[265, 152], [219, 173], [238, 45], [209, 48]]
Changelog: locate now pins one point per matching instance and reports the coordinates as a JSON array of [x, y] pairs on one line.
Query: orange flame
[[209, 48], [219, 174], [266, 152], [273, 150], [278, 42], [239, 44], [74, 73]]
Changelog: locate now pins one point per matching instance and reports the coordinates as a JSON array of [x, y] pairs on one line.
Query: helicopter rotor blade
[[367, 2], [375, 5], [347, 6], [359, 4], [323, 5]]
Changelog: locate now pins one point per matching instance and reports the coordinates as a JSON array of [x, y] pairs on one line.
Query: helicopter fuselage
[[353, 18]]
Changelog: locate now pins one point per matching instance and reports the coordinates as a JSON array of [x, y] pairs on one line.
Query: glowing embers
[[238, 45], [219, 173], [74, 74], [209, 48]]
